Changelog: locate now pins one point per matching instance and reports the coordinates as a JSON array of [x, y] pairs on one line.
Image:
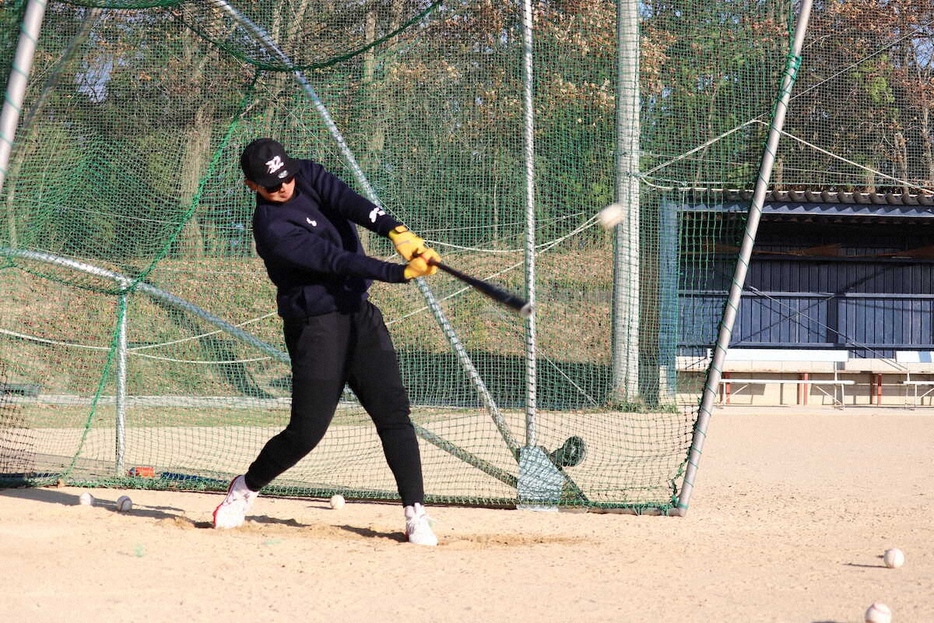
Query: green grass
[[68, 328]]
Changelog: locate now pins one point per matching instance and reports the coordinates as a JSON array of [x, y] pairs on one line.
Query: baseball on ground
[[86, 499], [878, 613], [893, 558], [124, 504], [611, 216], [337, 502]]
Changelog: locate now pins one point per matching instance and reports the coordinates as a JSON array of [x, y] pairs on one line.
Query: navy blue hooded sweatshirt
[[311, 248]]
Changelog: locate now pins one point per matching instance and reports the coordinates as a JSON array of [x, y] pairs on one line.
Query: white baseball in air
[[86, 499], [124, 504], [893, 558], [879, 613], [611, 216], [337, 502]]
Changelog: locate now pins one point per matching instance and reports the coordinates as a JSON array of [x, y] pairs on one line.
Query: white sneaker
[[232, 511], [418, 526]]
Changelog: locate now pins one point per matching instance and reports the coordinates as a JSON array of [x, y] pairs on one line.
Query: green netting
[[137, 327]]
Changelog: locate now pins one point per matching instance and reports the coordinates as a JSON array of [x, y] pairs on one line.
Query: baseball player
[[304, 226]]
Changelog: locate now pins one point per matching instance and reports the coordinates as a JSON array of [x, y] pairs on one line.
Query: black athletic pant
[[328, 352]]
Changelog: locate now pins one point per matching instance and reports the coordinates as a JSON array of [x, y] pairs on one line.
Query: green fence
[[137, 327]]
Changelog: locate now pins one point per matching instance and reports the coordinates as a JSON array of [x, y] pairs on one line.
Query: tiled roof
[[795, 205], [836, 196]]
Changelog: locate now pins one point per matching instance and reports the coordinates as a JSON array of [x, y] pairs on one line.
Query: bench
[[802, 362], [921, 362]]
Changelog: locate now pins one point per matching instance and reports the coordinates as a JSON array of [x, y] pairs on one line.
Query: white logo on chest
[[311, 222]]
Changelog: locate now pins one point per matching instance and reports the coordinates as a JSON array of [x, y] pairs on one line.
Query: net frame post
[[19, 80], [120, 369], [626, 236], [531, 401], [731, 307]]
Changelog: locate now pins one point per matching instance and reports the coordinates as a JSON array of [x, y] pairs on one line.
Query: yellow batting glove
[[418, 267], [431, 256], [407, 244]]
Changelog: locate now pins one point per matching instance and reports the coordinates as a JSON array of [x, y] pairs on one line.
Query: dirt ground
[[789, 518]]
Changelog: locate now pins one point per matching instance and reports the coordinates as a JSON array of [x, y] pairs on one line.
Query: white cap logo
[[275, 164]]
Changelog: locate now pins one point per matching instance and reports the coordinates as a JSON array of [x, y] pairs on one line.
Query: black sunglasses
[[278, 187]]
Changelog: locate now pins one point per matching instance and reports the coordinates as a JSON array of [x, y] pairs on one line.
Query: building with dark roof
[[829, 270]]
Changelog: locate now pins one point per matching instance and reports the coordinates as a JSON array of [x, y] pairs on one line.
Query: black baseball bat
[[520, 305]]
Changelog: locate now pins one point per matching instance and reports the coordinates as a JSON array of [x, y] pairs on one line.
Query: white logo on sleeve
[[375, 213], [311, 222]]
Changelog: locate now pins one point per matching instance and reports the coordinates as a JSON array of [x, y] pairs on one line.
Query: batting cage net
[[139, 344]]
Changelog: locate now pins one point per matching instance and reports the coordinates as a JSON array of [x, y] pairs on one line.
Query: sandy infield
[[790, 515]]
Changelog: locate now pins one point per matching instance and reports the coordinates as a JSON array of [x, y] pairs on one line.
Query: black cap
[[265, 162]]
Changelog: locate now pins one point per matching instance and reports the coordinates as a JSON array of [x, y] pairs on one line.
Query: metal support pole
[[531, 438], [739, 276], [19, 79], [120, 394], [626, 241]]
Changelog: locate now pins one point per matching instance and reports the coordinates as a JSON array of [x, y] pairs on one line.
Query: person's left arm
[[360, 210], [337, 195]]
